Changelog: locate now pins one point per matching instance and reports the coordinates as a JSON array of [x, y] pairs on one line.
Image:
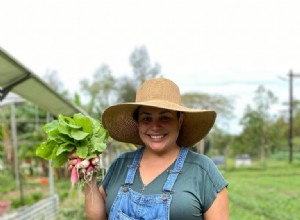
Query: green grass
[[256, 193], [72, 205], [265, 194], [30, 194], [7, 182]]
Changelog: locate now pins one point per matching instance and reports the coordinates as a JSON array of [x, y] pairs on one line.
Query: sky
[[219, 47]]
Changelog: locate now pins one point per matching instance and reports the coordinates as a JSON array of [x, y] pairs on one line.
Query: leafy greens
[[80, 133]]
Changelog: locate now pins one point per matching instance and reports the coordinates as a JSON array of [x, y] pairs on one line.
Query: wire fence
[[46, 209]]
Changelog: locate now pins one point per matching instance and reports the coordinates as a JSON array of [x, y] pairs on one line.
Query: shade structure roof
[[16, 78]]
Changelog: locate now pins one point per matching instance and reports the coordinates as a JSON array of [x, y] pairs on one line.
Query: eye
[[165, 118], [145, 119]]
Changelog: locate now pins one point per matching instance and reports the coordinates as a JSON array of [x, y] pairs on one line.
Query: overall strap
[[177, 169], [133, 167]]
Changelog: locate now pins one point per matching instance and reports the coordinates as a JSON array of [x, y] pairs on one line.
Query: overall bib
[[136, 206]]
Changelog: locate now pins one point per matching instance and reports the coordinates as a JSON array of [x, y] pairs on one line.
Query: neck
[[164, 156], [153, 164]]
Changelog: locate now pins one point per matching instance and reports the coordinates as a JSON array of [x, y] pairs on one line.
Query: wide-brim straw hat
[[161, 93]]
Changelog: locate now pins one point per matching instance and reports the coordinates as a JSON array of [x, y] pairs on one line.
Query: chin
[[157, 146]]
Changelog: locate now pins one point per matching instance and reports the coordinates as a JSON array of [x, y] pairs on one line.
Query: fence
[[46, 209]]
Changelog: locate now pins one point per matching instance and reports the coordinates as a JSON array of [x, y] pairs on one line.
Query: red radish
[[89, 173], [70, 167], [89, 168], [74, 176], [83, 164], [84, 168], [95, 161]]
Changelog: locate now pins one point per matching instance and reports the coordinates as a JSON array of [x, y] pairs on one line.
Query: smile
[[156, 137]]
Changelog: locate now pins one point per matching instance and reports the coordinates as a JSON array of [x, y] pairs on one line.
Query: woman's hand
[[72, 160], [83, 168], [75, 173], [219, 210], [94, 200]]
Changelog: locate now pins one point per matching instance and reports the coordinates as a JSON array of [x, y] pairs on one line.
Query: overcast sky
[[226, 47]]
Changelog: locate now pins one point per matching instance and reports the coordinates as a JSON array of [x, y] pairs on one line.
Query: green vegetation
[[7, 182], [265, 193], [255, 193], [32, 190], [269, 192], [71, 202], [81, 133]]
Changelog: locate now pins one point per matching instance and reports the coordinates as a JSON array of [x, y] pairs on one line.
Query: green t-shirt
[[195, 189]]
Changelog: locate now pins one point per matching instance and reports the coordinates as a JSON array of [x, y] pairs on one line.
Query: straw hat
[[161, 93]]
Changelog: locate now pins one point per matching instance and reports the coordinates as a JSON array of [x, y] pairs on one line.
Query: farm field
[[270, 193]]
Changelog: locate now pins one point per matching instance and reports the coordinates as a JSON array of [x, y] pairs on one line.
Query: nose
[[155, 124]]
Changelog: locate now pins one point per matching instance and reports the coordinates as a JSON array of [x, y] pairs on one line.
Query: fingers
[[73, 155], [70, 167], [72, 159]]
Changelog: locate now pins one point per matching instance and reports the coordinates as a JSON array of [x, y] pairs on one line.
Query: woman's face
[[158, 128]]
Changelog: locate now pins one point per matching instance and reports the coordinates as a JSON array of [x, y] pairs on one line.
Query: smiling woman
[[163, 175], [158, 128]]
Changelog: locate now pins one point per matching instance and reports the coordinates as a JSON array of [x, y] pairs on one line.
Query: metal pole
[[51, 180], [291, 117], [15, 146]]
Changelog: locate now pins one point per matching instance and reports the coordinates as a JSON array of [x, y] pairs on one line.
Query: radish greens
[[79, 133]]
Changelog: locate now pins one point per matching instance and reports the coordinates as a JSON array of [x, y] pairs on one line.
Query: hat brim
[[118, 120]]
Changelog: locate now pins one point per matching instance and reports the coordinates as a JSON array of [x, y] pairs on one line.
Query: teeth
[[156, 136]]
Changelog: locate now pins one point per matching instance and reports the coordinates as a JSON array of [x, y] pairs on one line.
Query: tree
[[6, 149], [221, 104], [127, 89], [142, 68], [282, 133], [297, 118], [29, 120], [221, 141], [99, 91], [259, 133], [218, 138], [52, 79]]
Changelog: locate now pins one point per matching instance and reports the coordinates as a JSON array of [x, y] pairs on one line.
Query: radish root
[[85, 169]]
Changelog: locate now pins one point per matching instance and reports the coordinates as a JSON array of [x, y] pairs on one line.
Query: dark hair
[[135, 114]]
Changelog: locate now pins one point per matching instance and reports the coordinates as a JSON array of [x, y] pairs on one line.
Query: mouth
[[157, 136]]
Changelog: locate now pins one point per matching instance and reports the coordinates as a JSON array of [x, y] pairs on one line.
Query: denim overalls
[[133, 205]]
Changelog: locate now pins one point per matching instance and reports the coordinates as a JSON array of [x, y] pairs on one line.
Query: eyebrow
[[162, 112]]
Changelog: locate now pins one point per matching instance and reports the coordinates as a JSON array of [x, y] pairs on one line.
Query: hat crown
[[159, 89]]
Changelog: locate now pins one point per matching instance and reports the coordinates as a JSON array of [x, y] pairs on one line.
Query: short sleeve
[[109, 174], [214, 184]]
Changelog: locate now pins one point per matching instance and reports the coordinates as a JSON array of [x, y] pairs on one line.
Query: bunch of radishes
[[84, 169], [82, 137]]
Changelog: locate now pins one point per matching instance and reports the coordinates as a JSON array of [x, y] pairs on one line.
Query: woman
[[163, 179]]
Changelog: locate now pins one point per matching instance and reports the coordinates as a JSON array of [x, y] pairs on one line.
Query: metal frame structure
[[18, 79]]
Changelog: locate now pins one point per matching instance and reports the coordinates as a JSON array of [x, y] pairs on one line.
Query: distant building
[[219, 160], [243, 160]]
